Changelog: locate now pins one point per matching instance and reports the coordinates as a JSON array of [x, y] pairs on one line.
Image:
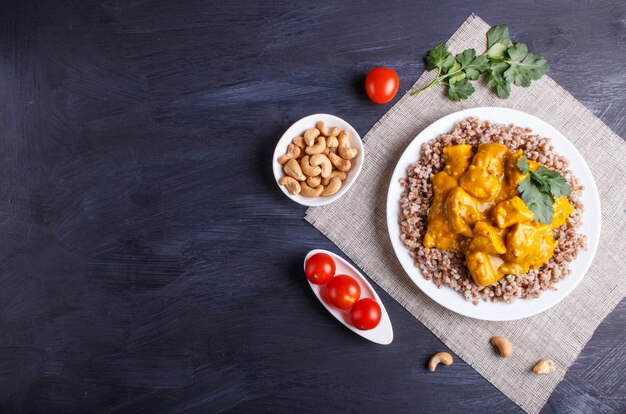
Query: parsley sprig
[[539, 190], [503, 62]]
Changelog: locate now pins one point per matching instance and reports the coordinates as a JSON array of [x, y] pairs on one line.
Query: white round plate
[[297, 129], [383, 333], [520, 308]]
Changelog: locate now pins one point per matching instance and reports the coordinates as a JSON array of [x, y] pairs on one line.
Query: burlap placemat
[[357, 225]]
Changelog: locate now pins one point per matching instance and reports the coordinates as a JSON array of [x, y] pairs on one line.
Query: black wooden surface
[[149, 264]]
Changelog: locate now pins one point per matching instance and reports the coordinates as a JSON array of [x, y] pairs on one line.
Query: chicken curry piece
[[476, 209]]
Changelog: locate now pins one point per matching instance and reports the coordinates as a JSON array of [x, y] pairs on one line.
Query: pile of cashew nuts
[[316, 163], [505, 349]]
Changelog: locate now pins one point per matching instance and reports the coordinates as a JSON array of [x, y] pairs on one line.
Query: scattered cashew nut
[[307, 191], [325, 164], [545, 366], [339, 163], [292, 169], [440, 357], [344, 148], [321, 126], [313, 181], [293, 152], [309, 169], [333, 186], [503, 345], [310, 135], [318, 148], [292, 185]]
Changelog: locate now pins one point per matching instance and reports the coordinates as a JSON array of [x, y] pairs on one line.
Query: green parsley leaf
[[496, 52], [447, 64], [466, 57], [541, 179], [478, 66], [472, 65], [543, 208], [455, 78], [498, 34], [560, 187], [460, 90], [525, 186], [503, 62], [497, 81], [517, 52], [522, 164], [498, 41], [456, 66], [552, 181], [439, 57], [537, 201], [525, 67], [539, 190], [535, 65]]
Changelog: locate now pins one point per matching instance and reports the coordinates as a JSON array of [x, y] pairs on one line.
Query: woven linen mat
[[357, 225]]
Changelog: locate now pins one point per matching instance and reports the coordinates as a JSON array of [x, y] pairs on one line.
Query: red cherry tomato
[[320, 268], [365, 314], [381, 84], [343, 291]]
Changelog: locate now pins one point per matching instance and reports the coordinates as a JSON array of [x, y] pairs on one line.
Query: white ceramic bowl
[[520, 308], [297, 129]]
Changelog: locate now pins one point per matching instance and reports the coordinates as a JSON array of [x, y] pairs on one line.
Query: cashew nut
[[310, 135], [293, 152], [314, 181], [292, 185], [339, 163], [334, 131], [332, 187], [321, 126], [332, 142], [309, 169], [292, 169], [345, 151], [440, 357], [503, 345], [299, 141], [323, 161], [307, 191], [326, 151], [318, 148], [341, 175], [545, 366]]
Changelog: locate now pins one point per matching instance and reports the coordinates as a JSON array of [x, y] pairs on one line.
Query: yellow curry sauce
[[476, 209]]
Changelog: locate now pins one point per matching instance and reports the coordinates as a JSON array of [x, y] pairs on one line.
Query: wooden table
[[148, 261]]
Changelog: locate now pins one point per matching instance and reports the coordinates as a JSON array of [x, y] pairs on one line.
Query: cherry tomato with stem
[[343, 291], [320, 268], [365, 314], [381, 84]]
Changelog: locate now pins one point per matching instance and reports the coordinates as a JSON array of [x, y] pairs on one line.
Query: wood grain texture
[[148, 262]]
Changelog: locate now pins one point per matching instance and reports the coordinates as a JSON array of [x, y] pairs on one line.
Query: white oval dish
[[383, 333], [297, 129], [520, 308]]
